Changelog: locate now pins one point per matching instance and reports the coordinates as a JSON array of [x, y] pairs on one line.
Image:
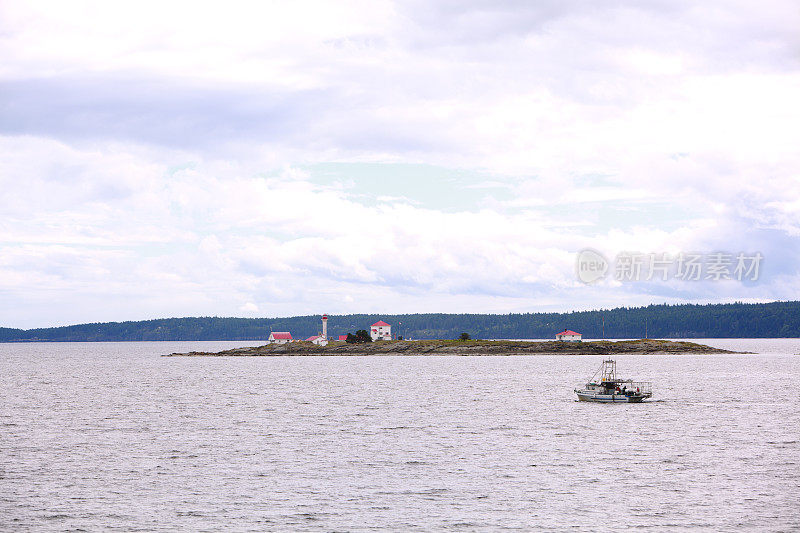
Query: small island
[[470, 347]]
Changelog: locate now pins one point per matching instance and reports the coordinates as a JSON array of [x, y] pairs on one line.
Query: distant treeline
[[777, 319]]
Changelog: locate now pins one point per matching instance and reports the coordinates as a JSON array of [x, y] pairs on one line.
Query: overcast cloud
[[261, 159]]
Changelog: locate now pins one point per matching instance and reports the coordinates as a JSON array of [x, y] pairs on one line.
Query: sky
[[263, 159]]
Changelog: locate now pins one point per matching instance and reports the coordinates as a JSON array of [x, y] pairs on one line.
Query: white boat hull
[[589, 396]]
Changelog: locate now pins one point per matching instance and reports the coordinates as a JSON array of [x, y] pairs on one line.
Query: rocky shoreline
[[472, 347]]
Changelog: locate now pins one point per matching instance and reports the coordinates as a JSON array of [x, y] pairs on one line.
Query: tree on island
[[464, 337], [360, 337]]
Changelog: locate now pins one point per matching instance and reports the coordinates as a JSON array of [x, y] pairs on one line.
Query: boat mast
[[608, 372]]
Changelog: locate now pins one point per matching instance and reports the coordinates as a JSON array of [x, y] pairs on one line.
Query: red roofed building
[[380, 331], [280, 337], [342, 337], [319, 340], [568, 335]]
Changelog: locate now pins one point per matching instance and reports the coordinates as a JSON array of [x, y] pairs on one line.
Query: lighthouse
[[325, 327]]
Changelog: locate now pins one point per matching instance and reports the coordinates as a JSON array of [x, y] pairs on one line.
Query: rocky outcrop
[[474, 347]]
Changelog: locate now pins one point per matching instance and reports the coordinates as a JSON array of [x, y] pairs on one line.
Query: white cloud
[[167, 162], [249, 307]]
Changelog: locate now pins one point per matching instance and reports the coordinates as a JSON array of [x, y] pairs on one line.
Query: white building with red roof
[[319, 340], [568, 335], [280, 337], [380, 331]]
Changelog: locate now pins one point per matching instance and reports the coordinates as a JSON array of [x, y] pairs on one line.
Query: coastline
[[467, 348]]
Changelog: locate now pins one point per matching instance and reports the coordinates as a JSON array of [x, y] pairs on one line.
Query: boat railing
[[645, 387]]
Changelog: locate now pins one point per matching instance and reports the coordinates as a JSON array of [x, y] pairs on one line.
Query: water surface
[[110, 436]]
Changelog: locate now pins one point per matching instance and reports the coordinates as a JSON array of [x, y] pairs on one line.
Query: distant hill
[[776, 319]]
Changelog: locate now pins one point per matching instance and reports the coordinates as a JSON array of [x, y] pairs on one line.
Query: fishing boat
[[605, 387]]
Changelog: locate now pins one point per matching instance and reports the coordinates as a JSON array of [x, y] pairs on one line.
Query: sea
[[114, 437]]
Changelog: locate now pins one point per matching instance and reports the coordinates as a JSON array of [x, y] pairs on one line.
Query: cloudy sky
[[166, 159]]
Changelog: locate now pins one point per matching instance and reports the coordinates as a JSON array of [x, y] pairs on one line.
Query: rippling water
[[109, 436]]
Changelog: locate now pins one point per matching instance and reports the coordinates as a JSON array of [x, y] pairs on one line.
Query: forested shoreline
[[776, 319]]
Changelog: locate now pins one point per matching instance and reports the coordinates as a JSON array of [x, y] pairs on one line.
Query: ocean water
[[112, 437]]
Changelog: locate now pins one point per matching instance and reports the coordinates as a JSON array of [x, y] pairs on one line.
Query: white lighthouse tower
[[325, 327]]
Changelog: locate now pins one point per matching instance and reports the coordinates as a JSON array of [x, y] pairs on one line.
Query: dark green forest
[[776, 319]]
